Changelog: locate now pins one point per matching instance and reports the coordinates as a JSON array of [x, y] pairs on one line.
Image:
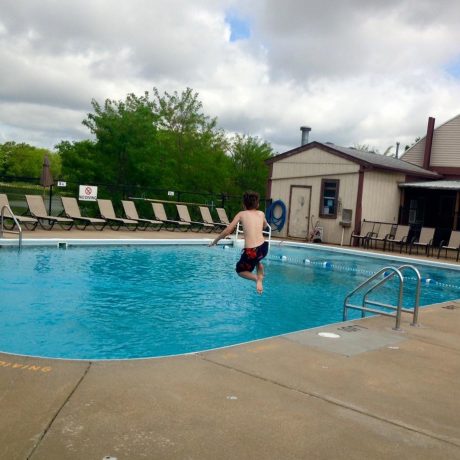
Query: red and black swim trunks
[[250, 257]]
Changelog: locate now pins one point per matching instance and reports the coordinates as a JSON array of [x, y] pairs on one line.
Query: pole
[[51, 197]]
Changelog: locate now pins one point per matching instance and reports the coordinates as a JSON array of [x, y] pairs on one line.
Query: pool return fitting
[[388, 274]]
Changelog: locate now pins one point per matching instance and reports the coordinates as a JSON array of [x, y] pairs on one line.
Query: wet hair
[[251, 200]]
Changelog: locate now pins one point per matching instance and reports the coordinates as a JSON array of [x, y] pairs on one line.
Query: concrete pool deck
[[372, 393]]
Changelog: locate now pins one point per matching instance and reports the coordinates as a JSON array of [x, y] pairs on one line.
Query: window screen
[[329, 198]]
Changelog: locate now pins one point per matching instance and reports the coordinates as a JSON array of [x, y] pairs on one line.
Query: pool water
[[133, 302]]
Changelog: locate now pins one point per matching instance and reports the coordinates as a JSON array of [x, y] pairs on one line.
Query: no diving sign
[[87, 193]]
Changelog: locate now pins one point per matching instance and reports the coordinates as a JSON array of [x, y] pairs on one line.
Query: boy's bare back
[[253, 222]]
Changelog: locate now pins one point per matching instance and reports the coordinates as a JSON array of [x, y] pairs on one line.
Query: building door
[[299, 211]]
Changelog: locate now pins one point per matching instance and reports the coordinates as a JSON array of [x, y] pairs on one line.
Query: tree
[[79, 163], [248, 155], [24, 160], [124, 152], [163, 141], [195, 146]]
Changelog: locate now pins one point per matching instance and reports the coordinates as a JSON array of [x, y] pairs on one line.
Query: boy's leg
[[248, 276], [260, 278]]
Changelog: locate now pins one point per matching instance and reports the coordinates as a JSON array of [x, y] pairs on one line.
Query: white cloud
[[355, 71]]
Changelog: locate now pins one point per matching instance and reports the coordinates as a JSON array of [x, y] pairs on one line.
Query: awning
[[433, 185]]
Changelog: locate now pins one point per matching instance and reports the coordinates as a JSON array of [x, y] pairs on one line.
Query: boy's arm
[[265, 221], [228, 230]]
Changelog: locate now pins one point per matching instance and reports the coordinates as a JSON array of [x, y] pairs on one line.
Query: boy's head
[[251, 200]]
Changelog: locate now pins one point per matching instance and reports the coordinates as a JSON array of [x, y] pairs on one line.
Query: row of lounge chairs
[[71, 216], [374, 232]]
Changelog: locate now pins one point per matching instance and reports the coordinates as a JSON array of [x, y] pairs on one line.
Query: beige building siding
[[313, 162], [415, 154], [381, 196], [445, 150], [308, 169], [446, 144]]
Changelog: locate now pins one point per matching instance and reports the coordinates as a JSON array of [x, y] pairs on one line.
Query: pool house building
[[336, 188]]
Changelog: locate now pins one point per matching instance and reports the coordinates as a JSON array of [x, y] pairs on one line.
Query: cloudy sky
[[356, 71]]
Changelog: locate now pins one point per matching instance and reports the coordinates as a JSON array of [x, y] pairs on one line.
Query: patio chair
[[108, 213], [29, 222], [400, 237], [382, 234], [160, 214], [132, 214], [367, 228], [206, 216], [452, 245], [221, 213], [425, 240], [72, 210], [184, 216], [37, 209]]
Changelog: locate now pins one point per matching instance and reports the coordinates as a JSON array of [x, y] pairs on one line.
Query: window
[[329, 198]]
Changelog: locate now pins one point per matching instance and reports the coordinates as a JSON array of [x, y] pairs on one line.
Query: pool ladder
[[2, 225], [388, 274]]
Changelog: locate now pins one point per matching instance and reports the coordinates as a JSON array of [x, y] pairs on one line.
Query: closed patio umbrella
[[46, 179]]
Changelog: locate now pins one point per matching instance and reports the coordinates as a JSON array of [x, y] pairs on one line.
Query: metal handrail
[[2, 227], [399, 307], [264, 232], [415, 309]]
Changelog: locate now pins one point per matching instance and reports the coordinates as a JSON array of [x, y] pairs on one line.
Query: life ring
[[276, 221]]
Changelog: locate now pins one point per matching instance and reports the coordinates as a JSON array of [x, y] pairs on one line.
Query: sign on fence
[[87, 193]]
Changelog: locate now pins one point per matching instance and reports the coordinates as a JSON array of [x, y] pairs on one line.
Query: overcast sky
[[355, 71]]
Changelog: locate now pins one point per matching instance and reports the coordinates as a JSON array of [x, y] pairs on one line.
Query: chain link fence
[[17, 187]]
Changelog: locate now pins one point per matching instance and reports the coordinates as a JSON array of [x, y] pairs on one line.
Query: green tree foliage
[[193, 146], [79, 161], [248, 155], [163, 141], [24, 160]]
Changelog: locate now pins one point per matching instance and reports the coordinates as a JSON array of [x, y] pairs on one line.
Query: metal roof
[[369, 159], [433, 185]]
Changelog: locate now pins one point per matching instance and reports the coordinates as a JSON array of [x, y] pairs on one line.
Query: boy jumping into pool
[[255, 246]]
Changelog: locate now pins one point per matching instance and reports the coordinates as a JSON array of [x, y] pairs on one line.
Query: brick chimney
[[428, 143]]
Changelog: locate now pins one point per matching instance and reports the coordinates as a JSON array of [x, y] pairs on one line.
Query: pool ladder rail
[[2, 224], [239, 229], [388, 274]]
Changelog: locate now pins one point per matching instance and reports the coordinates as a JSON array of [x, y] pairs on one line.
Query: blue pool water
[[132, 302]]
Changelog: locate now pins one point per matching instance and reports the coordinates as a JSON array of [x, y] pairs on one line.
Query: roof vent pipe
[[305, 132]]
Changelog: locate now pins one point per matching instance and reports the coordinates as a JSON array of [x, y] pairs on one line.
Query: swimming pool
[[145, 301]]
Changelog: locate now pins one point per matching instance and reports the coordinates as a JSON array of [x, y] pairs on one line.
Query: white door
[[299, 211]]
